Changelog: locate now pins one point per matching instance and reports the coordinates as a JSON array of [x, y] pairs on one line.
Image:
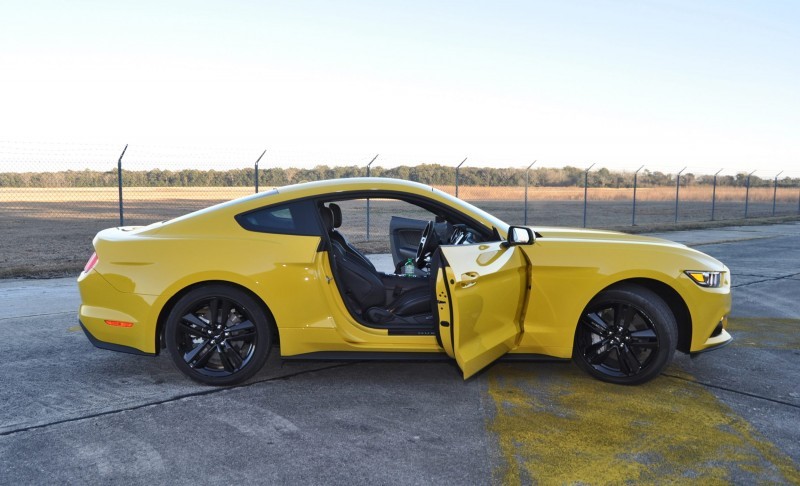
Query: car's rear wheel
[[218, 335], [626, 335]]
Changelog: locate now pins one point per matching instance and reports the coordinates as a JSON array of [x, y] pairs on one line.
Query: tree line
[[432, 174]]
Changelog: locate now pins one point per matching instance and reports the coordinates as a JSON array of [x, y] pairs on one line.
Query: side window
[[295, 218]]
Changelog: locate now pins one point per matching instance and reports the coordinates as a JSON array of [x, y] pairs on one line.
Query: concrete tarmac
[[72, 413]]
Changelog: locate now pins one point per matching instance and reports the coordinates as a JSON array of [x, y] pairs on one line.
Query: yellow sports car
[[218, 288]]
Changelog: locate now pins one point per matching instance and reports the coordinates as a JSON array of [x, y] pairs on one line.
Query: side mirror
[[520, 235]]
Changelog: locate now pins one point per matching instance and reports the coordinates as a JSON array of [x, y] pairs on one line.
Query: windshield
[[498, 223]]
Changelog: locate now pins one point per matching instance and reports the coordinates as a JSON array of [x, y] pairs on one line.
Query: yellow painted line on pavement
[[74, 329], [555, 425], [765, 333]]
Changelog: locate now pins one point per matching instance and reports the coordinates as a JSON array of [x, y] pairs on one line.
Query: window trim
[[317, 224]]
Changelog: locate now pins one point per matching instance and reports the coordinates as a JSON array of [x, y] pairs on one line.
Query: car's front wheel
[[218, 335], [626, 335]]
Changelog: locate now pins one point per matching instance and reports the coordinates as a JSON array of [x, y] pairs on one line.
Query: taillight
[[91, 263]]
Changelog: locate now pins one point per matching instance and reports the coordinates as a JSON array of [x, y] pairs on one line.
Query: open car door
[[481, 295]]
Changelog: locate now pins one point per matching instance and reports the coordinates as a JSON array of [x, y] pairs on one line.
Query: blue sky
[[703, 84]]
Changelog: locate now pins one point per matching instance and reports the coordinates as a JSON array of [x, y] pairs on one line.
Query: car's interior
[[400, 301]]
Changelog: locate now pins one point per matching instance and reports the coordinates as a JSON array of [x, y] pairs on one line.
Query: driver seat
[[362, 286], [353, 252]]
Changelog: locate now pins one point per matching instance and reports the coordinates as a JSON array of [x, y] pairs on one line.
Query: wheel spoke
[[242, 330], [193, 319], [645, 338], [224, 312], [627, 361], [201, 332], [595, 323], [618, 314], [223, 357], [628, 316], [191, 356], [597, 352], [213, 311], [203, 357], [231, 359]]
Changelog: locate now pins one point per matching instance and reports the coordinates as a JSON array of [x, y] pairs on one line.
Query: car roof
[[331, 187]]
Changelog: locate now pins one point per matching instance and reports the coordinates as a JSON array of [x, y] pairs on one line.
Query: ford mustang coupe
[[220, 287]]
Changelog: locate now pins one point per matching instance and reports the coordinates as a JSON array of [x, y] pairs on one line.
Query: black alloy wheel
[[626, 335], [218, 335]]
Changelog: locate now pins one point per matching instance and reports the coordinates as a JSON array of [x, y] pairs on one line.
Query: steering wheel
[[458, 236], [427, 243]]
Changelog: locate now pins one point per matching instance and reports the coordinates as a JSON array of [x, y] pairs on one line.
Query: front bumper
[[718, 339], [709, 309]]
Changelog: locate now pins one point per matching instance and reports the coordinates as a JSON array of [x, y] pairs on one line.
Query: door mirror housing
[[519, 235]]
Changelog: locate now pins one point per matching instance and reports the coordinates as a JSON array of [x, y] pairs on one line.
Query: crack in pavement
[[728, 240], [731, 390], [766, 279], [8, 318], [200, 393]]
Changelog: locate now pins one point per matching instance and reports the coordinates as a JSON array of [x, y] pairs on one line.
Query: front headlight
[[705, 279]]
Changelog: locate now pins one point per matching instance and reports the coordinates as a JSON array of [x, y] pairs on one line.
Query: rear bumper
[[111, 346], [102, 305]]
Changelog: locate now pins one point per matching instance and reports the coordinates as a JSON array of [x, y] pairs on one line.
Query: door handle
[[468, 279]]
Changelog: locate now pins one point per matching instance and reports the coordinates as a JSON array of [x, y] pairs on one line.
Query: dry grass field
[[9, 195], [48, 231], [695, 193]]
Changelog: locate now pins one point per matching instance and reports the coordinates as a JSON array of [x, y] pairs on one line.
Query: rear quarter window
[[295, 218]]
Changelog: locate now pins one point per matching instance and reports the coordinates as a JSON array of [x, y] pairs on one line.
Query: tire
[[626, 335], [218, 335]]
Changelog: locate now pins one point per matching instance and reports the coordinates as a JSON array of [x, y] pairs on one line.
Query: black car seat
[[363, 287], [350, 249]]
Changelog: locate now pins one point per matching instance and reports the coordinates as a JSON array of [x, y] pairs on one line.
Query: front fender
[[567, 274]]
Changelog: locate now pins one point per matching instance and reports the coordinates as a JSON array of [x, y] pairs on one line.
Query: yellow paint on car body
[[142, 270]]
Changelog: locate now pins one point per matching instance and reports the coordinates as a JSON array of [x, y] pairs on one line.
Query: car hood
[[588, 242], [577, 234]]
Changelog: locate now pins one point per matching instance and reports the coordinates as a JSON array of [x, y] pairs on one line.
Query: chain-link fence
[[54, 199]]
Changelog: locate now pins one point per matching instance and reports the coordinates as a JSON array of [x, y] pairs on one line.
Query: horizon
[[101, 158]]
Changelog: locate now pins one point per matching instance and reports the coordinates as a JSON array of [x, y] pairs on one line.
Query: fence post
[[635, 180], [714, 195], [585, 191], [677, 192], [775, 192], [526, 191], [256, 170], [368, 173], [458, 168], [119, 185], [747, 194]]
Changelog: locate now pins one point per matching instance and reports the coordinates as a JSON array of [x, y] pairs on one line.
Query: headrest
[[337, 214], [327, 218]]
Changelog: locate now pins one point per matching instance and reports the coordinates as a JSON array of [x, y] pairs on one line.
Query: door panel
[[404, 235], [444, 309], [487, 285]]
